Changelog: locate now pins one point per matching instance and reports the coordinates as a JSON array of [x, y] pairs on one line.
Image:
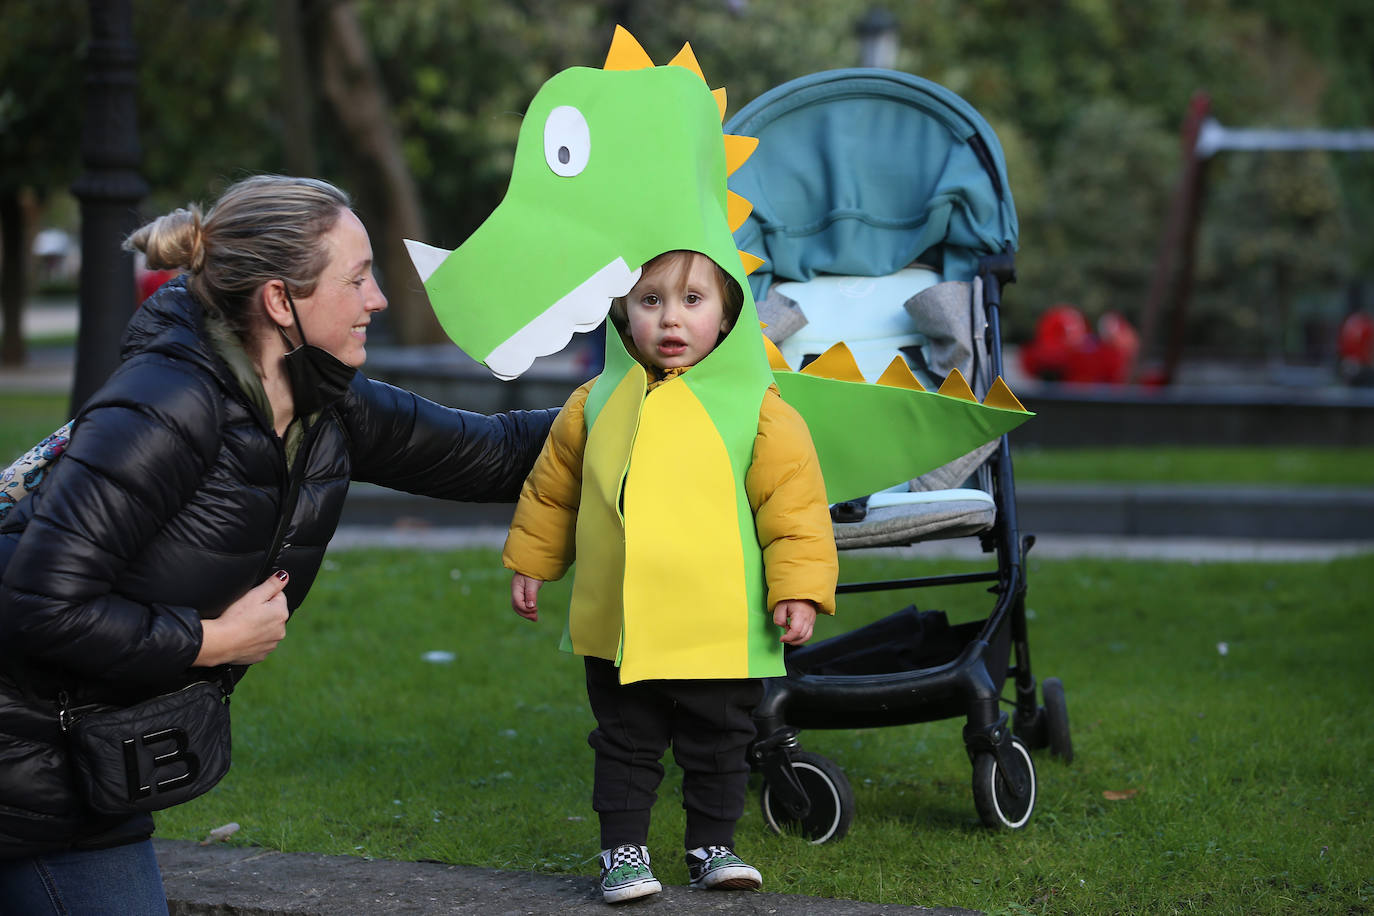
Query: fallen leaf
[[1119, 795]]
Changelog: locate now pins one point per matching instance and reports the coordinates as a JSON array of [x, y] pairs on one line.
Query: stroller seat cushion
[[898, 518], [865, 312]]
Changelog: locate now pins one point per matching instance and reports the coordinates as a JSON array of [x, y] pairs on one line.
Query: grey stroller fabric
[[945, 314], [782, 317]]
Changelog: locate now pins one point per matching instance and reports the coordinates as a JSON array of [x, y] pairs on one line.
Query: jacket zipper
[[295, 476]]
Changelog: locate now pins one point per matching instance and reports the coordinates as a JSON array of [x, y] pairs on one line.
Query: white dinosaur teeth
[[580, 310], [426, 258]]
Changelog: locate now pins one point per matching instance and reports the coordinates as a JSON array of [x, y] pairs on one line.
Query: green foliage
[[40, 93], [1218, 716], [1086, 95], [1096, 232], [1295, 235], [209, 96]]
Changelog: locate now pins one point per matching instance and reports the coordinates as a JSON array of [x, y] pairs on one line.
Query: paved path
[[220, 880], [1049, 546]]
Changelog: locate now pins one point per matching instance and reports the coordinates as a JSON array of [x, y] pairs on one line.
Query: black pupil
[[564, 155]]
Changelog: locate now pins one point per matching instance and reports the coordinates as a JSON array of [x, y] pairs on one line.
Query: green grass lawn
[[1207, 780], [1238, 465], [27, 418]]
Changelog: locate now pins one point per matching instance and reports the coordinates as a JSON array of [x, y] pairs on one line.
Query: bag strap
[[23, 476]]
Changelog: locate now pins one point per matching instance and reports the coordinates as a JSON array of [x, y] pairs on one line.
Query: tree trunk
[[352, 88], [13, 276], [298, 135]]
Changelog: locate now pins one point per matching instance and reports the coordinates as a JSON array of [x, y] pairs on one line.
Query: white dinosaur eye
[[567, 141]]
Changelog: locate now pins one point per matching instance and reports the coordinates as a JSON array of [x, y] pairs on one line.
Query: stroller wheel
[[993, 795], [1057, 719], [832, 801]]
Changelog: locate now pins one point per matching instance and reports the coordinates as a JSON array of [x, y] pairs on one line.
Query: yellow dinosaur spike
[[775, 357], [838, 363], [999, 395], [954, 386], [898, 375], [719, 95], [626, 53], [751, 262], [738, 150], [738, 210], [685, 58]]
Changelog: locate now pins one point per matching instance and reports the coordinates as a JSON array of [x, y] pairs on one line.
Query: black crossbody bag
[[153, 754]]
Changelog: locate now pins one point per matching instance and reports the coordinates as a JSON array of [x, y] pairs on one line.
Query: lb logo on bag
[[151, 759]]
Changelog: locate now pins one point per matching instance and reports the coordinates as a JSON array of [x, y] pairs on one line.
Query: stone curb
[[220, 880]]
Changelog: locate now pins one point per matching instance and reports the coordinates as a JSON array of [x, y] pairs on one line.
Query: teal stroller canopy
[[860, 172]]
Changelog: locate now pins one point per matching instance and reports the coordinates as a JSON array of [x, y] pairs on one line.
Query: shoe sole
[[730, 878], [632, 891]]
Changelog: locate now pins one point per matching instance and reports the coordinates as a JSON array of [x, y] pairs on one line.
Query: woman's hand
[[524, 595], [249, 629]]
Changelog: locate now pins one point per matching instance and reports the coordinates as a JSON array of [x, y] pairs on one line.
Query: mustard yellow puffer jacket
[[784, 486]]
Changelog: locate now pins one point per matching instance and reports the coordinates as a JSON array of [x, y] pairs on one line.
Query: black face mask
[[317, 377]]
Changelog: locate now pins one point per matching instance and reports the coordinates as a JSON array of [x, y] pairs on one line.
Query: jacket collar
[[659, 376]]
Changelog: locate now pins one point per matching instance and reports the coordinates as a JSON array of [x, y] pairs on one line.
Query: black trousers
[[709, 725]]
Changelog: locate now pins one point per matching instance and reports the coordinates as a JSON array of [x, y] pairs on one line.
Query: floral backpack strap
[[28, 471]]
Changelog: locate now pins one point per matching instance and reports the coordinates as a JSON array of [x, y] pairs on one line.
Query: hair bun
[[173, 241]]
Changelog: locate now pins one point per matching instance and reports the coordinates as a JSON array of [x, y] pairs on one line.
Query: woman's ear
[[275, 303]]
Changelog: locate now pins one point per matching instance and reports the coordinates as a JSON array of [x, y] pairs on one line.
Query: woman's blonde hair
[[268, 227]]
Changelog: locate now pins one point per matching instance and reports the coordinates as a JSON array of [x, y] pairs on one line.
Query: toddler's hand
[[798, 618], [524, 596]]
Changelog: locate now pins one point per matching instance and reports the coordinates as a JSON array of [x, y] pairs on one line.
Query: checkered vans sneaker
[[718, 867], [625, 874]]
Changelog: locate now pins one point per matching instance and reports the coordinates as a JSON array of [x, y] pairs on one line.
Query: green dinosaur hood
[[612, 168]]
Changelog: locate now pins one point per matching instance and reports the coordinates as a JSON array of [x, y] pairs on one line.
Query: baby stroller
[[882, 206]]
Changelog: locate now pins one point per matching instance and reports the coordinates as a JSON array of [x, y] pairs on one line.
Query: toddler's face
[[676, 316]]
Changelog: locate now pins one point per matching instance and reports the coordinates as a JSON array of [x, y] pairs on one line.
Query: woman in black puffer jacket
[[195, 501]]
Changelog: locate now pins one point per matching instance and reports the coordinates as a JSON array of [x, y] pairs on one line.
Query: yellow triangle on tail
[[999, 395], [898, 375], [955, 387], [838, 363]]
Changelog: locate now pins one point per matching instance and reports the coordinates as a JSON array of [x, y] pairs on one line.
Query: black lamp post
[[109, 190], [877, 32]]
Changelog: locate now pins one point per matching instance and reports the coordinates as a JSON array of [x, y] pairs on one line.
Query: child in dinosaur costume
[[614, 167], [672, 610]]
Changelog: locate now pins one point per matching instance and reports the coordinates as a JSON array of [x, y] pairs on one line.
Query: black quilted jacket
[[172, 500]]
